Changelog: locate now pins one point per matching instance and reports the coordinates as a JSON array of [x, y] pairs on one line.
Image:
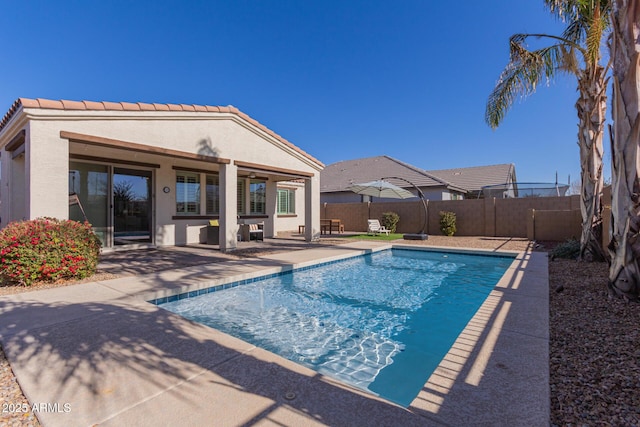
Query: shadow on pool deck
[[117, 360], [146, 261]]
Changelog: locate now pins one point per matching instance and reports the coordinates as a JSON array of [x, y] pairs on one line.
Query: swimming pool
[[381, 322]]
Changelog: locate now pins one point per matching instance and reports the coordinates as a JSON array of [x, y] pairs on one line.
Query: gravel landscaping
[[594, 351]]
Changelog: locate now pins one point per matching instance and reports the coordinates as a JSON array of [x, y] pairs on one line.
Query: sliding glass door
[[89, 197], [131, 206], [116, 201]]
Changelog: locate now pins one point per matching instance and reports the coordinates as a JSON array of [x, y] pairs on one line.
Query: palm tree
[[576, 52], [624, 249]]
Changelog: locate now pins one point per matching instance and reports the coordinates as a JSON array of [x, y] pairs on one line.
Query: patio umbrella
[[381, 188]]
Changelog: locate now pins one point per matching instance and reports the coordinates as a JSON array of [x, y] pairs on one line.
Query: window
[[187, 193], [257, 197], [286, 201], [213, 195]]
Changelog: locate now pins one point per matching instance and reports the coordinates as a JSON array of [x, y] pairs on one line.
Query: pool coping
[[504, 383]]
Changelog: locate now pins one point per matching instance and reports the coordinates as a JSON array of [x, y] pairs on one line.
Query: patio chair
[[375, 228], [256, 230]]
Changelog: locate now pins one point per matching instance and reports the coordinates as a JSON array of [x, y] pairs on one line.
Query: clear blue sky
[[340, 79]]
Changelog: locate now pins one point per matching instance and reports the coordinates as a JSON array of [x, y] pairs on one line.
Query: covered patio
[[154, 175]]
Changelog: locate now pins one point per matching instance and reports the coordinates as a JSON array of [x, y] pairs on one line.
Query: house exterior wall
[[223, 135], [340, 197], [47, 160], [431, 193]]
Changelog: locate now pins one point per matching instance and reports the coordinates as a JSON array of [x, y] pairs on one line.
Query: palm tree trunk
[[624, 271], [592, 107]]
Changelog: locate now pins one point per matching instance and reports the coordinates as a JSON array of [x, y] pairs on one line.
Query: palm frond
[[524, 72], [565, 10], [574, 31]]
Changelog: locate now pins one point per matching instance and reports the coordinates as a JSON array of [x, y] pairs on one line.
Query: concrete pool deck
[[98, 353]]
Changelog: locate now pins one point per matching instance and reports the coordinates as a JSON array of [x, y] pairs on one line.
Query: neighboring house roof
[[21, 103], [474, 178], [338, 176]]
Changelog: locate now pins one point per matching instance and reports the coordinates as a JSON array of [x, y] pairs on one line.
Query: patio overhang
[[277, 174], [139, 148]]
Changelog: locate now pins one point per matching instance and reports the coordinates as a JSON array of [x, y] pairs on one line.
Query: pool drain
[[289, 395]]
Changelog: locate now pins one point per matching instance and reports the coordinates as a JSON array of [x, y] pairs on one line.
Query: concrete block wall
[[556, 225], [470, 216], [352, 215], [511, 213], [475, 217], [411, 215]]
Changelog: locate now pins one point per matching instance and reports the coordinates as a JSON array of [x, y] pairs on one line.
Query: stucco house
[[442, 184], [475, 178], [153, 174], [336, 177]]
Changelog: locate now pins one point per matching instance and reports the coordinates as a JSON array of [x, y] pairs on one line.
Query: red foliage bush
[[47, 249]]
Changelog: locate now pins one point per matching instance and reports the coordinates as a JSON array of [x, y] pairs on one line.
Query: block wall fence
[[536, 218]]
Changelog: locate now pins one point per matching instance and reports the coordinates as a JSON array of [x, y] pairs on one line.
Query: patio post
[[312, 208], [228, 207]]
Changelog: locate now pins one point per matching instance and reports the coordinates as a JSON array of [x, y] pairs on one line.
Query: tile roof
[[476, 177], [140, 106], [339, 175]]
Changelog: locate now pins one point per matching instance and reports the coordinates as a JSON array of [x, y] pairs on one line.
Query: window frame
[[254, 195], [212, 195], [290, 201], [185, 194]]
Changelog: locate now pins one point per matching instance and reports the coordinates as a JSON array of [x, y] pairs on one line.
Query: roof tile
[[91, 105], [475, 177], [146, 107], [112, 106], [73, 105], [130, 106], [49, 103], [161, 107], [28, 103]]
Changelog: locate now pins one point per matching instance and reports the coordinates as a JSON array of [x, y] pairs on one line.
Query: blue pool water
[[381, 322]]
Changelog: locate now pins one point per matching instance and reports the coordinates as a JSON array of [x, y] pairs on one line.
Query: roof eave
[[78, 106]]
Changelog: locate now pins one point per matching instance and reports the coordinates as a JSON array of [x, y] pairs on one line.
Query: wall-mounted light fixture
[[252, 175]]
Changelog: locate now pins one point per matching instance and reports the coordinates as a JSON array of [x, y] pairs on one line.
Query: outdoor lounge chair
[[375, 227], [256, 230], [252, 231]]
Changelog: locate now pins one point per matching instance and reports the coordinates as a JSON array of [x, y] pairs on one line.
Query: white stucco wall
[[48, 172], [217, 134]]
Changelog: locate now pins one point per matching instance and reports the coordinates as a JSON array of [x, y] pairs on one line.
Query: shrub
[[47, 249], [448, 223], [569, 250], [390, 221]]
